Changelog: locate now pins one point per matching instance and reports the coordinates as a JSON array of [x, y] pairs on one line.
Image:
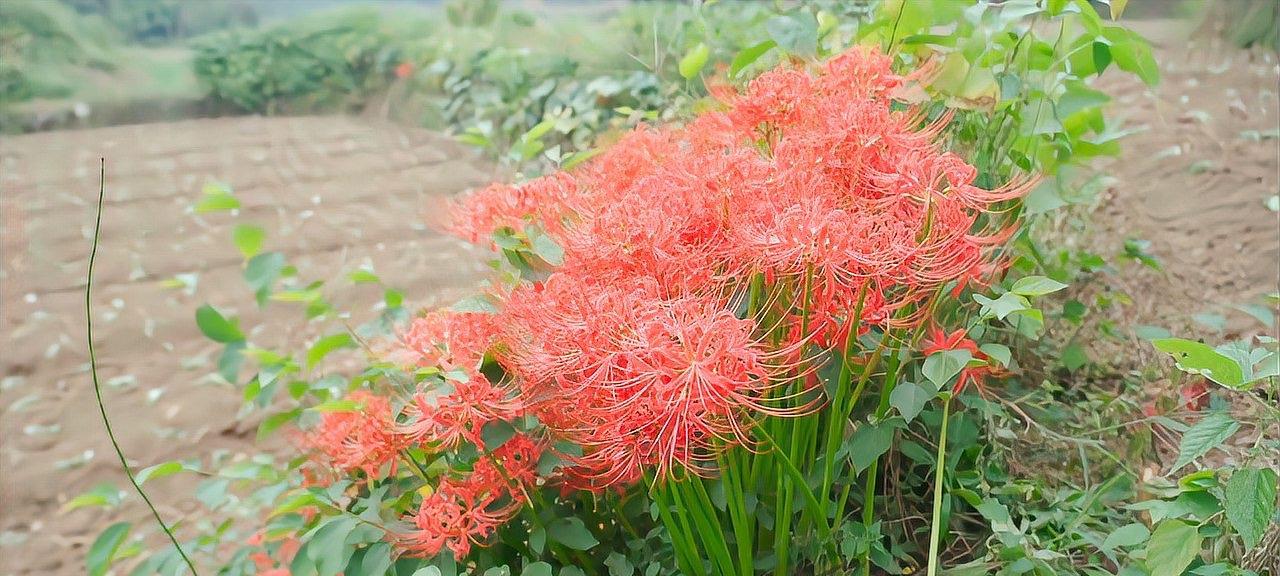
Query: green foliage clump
[[327, 62], [41, 40]]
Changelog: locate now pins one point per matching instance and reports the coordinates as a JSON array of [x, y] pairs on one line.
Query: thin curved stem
[[93, 371]]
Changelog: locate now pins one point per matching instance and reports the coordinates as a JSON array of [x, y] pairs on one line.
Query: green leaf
[[536, 569], [539, 130], [619, 565], [363, 276], [869, 442], [377, 560], [1127, 536], [328, 344], [230, 361], [1172, 547], [336, 406], [1074, 357], [216, 327], [572, 533], [496, 433], [748, 56], [941, 367], [796, 32], [1251, 502], [159, 471], [547, 249], [103, 550], [1002, 307], [910, 398], [217, 198], [998, 352], [275, 421], [537, 539], [1207, 434], [1199, 358], [1132, 54], [1117, 8], [427, 571], [248, 239], [106, 495], [261, 273], [478, 303], [1036, 286], [327, 547], [694, 60]]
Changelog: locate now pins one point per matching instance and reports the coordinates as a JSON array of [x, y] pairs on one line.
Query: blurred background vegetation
[[489, 71]]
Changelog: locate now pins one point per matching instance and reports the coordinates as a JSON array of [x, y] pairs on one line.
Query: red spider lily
[[457, 515], [702, 267], [446, 421], [941, 341], [448, 339], [362, 438]]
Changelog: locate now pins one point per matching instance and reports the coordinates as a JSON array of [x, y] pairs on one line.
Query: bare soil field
[[1194, 181], [337, 193], [333, 194]]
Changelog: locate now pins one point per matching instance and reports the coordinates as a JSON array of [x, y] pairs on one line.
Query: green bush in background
[[39, 40]]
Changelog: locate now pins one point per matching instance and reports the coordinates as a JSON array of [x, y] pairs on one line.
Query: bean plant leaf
[[572, 533], [1199, 358], [694, 60], [1251, 502], [261, 272], [1127, 536], [377, 560], [160, 471], [910, 398], [328, 344], [1210, 432], [1172, 547], [1001, 307], [217, 198], [217, 327], [869, 442], [941, 367], [1036, 286], [536, 569], [248, 239], [748, 56], [619, 565], [105, 495], [103, 550]]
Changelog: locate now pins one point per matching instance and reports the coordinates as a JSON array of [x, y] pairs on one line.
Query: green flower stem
[[935, 530]]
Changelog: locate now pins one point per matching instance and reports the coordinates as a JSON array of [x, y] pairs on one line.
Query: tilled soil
[[333, 193]]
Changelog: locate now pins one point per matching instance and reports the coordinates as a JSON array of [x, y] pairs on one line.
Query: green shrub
[[40, 40], [333, 61]]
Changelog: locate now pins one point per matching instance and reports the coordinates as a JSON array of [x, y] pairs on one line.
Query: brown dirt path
[[1195, 182], [333, 193]]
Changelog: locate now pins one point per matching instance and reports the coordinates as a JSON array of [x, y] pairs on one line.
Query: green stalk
[[811, 501], [713, 536], [836, 420], [681, 539], [869, 492], [935, 531], [735, 499]]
